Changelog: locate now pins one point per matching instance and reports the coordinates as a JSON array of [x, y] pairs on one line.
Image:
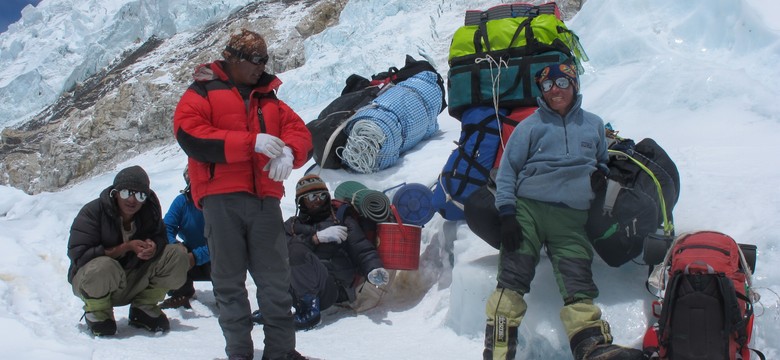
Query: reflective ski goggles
[[561, 83], [254, 59], [316, 196], [126, 194]]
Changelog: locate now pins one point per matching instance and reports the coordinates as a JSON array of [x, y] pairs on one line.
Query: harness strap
[[613, 189]]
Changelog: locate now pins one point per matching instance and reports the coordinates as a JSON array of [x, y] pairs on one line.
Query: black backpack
[[636, 200], [327, 128]]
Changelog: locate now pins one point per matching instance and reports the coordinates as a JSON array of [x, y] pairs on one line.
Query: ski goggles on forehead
[[561, 83], [316, 196], [126, 194], [254, 59]]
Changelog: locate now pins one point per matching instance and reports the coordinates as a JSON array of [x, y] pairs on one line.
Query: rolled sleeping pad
[[371, 204]]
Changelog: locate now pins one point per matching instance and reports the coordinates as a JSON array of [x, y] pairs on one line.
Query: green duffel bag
[[512, 84], [521, 35]]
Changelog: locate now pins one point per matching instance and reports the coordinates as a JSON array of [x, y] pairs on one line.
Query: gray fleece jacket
[[549, 158]]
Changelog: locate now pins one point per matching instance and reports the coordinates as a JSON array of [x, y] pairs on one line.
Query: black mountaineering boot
[[591, 344], [101, 323], [141, 319]]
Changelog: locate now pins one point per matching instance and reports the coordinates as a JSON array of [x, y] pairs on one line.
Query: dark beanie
[[246, 42], [132, 178], [552, 72]]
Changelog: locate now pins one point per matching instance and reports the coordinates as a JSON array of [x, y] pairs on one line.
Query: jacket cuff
[[507, 210]]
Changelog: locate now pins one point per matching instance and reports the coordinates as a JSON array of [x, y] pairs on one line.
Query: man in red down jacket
[[242, 143]]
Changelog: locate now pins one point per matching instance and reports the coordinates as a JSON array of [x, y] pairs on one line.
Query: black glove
[[511, 233], [598, 181]]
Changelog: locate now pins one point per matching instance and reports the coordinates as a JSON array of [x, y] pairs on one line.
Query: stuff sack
[[494, 61], [636, 200], [469, 165], [707, 306]]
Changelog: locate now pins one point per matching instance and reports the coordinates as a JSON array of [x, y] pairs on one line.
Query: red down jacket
[[217, 130]]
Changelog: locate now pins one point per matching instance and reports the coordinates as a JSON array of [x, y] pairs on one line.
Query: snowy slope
[[697, 76]]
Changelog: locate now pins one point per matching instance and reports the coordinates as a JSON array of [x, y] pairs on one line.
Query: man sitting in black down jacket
[[326, 255]]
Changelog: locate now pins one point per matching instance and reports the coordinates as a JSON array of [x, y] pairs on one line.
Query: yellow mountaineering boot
[[505, 310], [589, 336]]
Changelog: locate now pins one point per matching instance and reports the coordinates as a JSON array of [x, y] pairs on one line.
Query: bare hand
[[144, 249]]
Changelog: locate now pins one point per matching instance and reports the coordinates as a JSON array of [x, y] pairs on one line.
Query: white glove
[[269, 145], [379, 276], [332, 234], [279, 168]]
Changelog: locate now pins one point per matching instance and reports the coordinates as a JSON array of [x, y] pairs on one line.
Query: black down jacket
[[356, 255], [98, 227]]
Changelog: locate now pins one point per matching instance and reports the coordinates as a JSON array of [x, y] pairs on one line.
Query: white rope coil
[[363, 145]]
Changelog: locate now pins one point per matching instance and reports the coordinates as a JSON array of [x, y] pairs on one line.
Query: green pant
[[561, 231], [104, 276]]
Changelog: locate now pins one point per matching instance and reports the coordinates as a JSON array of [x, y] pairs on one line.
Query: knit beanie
[[247, 42], [132, 178], [309, 184], [552, 72]]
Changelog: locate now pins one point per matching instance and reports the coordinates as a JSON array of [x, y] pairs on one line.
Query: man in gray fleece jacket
[[543, 195]]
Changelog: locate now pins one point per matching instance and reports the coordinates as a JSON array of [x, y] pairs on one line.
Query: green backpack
[[495, 60]]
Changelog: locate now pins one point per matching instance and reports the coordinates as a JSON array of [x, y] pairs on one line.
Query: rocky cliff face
[[128, 107]]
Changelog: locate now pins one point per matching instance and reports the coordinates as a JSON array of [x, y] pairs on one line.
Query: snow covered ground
[[697, 76]]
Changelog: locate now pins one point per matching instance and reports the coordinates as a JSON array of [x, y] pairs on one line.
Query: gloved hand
[[378, 276], [511, 232], [280, 167], [332, 234], [269, 145]]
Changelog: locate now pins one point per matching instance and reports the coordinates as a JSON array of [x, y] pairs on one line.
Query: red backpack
[[707, 306]]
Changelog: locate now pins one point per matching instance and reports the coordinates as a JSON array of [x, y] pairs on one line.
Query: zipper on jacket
[[261, 124], [261, 118], [565, 134]]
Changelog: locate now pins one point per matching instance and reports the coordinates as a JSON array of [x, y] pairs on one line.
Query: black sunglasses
[[126, 194], [254, 59]]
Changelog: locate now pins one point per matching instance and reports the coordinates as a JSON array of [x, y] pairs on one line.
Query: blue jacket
[[550, 158], [186, 221]]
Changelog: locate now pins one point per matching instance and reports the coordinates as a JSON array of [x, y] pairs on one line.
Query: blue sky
[[11, 10]]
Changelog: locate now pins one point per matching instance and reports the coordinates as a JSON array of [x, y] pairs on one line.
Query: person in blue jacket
[[185, 220]]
